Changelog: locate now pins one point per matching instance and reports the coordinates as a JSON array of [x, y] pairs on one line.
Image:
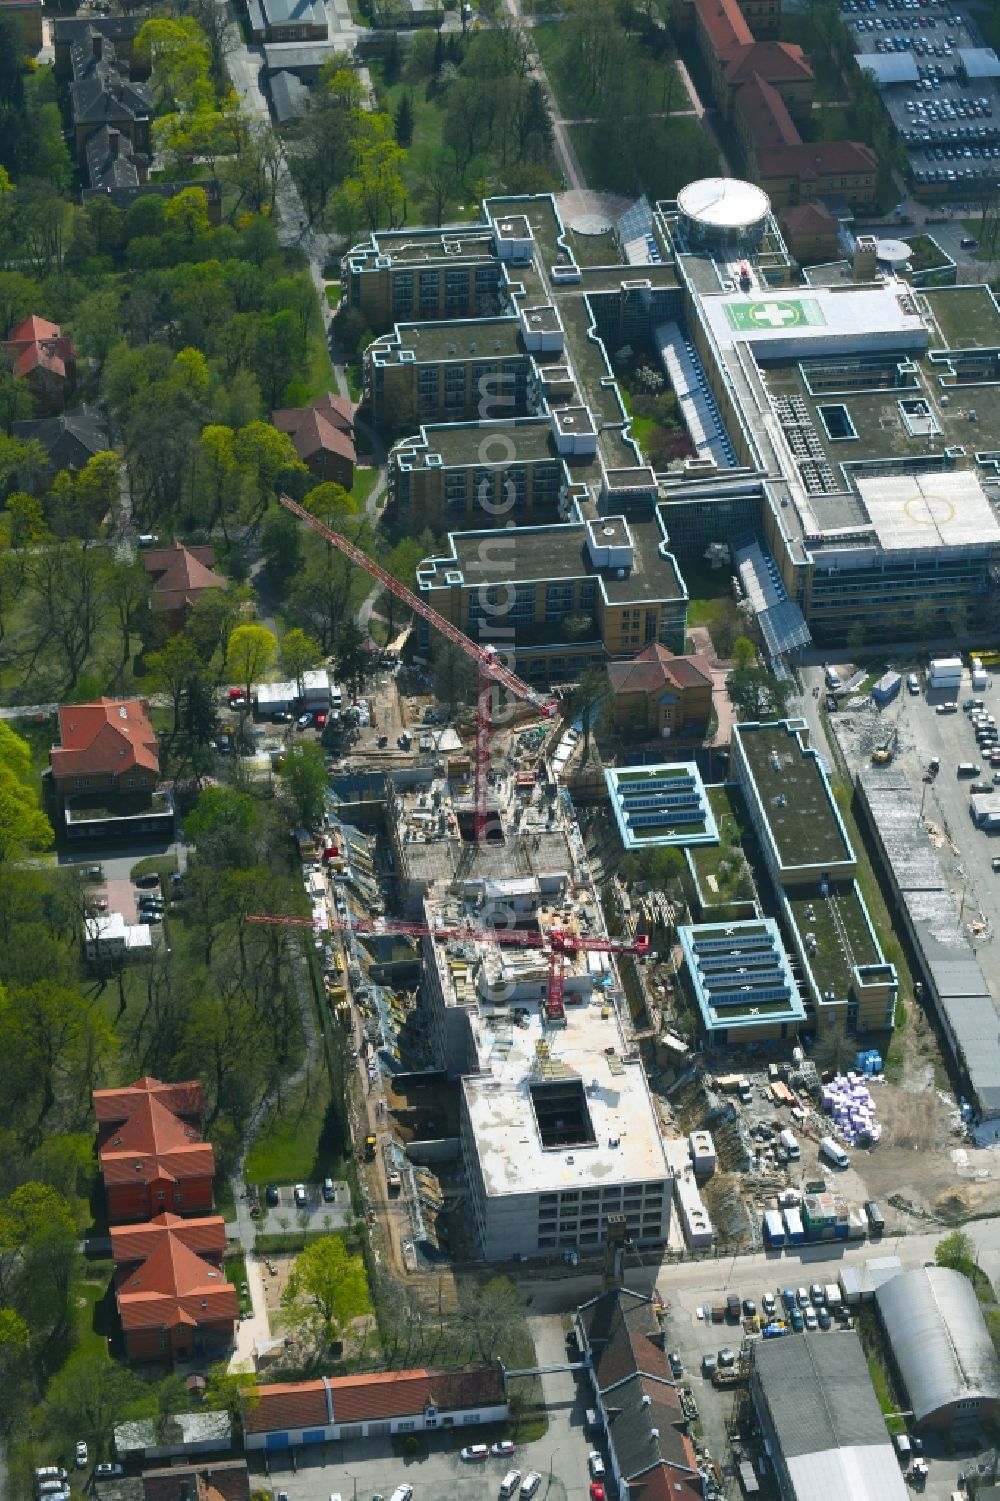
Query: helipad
[[914, 512]]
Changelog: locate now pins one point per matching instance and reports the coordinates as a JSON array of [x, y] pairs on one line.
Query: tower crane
[[489, 667], [558, 944]]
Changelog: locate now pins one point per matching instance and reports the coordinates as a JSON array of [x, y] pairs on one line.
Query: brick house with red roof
[[658, 694], [323, 435], [205, 1236], [154, 1162], [811, 232], [108, 751], [760, 86], [41, 355], [181, 575], [288, 1414], [176, 1304], [113, 1107], [219, 1480]]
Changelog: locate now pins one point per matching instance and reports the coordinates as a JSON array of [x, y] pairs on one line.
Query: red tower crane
[[557, 943], [488, 665]]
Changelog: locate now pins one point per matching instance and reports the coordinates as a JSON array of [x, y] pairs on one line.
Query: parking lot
[[948, 120], [316, 1213]]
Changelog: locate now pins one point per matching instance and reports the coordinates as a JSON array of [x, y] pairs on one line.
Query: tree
[[299, 653], [61, 1040], [352, 660], [230, 1391], [375, 191], [172, 670], [490, 1314], [744, 652], [225, 829], [404, 122], [263, 453], [757, 694], [23, 825], [303, 774], [91, 1394], [957, 1251], [327, 1288], [251, 652], [588, 694]]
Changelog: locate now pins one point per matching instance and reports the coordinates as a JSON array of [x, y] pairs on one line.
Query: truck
[[370, 1145], [887, 687], [794, 1228], [833, 1152], [945, 672], [790, 1144]]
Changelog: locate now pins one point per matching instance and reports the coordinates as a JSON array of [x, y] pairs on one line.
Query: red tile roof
[[206, 1237], [724, 22], [766, 115], [181, 575], [336, 409], [154, 1144], [38, 344], [396, 1394], [814, 159], [809, 218], [373, 1397], [226, 1479], [110, 737], [776, 62], [312, 433], [656, 668], [664, 1484], [174, 1286], [185, 1099], [288, 1404]]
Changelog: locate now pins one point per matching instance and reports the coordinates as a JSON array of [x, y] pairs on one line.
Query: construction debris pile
[[848, 1099]]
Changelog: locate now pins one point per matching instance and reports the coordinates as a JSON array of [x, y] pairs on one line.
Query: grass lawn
[[989, 246], [333, 293], [364, 483], [297, 1142], [641, 426], [428, 141], [674, 151], [880, 1382]]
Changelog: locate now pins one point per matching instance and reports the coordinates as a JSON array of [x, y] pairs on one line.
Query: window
[[82, 782], [405, 1427], [456, 288]]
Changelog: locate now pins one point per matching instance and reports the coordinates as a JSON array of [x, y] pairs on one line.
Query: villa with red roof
[[658, 694], [41, 355], [114, 1106], [181, 575], [323, 435], [176, 1304], [108, 748], [288, 1414], [205, 1236], [155, 1162]]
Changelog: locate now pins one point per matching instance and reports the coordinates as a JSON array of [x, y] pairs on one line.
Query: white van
[[510, 1483], [791, 1146], [829, 1149]]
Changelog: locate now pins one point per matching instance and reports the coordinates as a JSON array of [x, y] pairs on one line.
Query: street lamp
[[354, 1480]]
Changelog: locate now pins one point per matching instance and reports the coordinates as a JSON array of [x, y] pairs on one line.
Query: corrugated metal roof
[[888, 67], [819, 1393], [939, 1339], [854, 1473]]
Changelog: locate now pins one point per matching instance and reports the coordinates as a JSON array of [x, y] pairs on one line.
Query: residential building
[[175, 1303], [821, 1420], [637, 1400], [87, 35], [572, 593], [323, 435], [290, 1414], [123, 194], [181, 575], [113, 1107], [103, 775], [41, 355], [154, 1162], [70, 439], [658, 694], [219, 1480], [811, 862], [287, 21], [27, 17], [133, 1244], [941, 1349]]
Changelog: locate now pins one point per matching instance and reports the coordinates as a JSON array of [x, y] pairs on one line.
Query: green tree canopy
[[23, 826], [303, 775], [327, 1288]]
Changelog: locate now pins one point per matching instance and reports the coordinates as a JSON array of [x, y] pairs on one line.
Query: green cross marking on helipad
[[784, 313]]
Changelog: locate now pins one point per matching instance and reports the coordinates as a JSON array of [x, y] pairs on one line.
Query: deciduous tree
[[327, 1288]]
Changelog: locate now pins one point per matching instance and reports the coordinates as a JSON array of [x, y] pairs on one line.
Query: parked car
[[676, 1366], [93, 872], [825, 1321], [810, 1319], [769, 1304], [595, 1464], [818, 1295], [329, 1192], [271, 1196], [531, 1482], [475, 1453], [709, 1365], [81, 1454], [502, 1448], [802, 1297], [320, 719], [797, 1321], [299, 1194], [282, 716], [749, 1308], [108, 1471], [597, 1491], [304, 721], [148, 882]]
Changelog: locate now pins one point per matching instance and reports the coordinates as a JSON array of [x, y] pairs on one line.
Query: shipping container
[[774, 1228], [794, 1228]]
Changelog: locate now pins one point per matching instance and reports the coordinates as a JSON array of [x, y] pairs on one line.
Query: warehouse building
[[952, 976], [821, 1419], [941, 1347]]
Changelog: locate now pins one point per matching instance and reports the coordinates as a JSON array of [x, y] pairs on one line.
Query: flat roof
[[965, 317], [462, 339], [661, 805], [925, 512], [857, 317], [794, 795], [740, 974], [724, 202]]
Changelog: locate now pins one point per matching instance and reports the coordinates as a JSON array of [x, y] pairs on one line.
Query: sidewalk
[[253, 1332]]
